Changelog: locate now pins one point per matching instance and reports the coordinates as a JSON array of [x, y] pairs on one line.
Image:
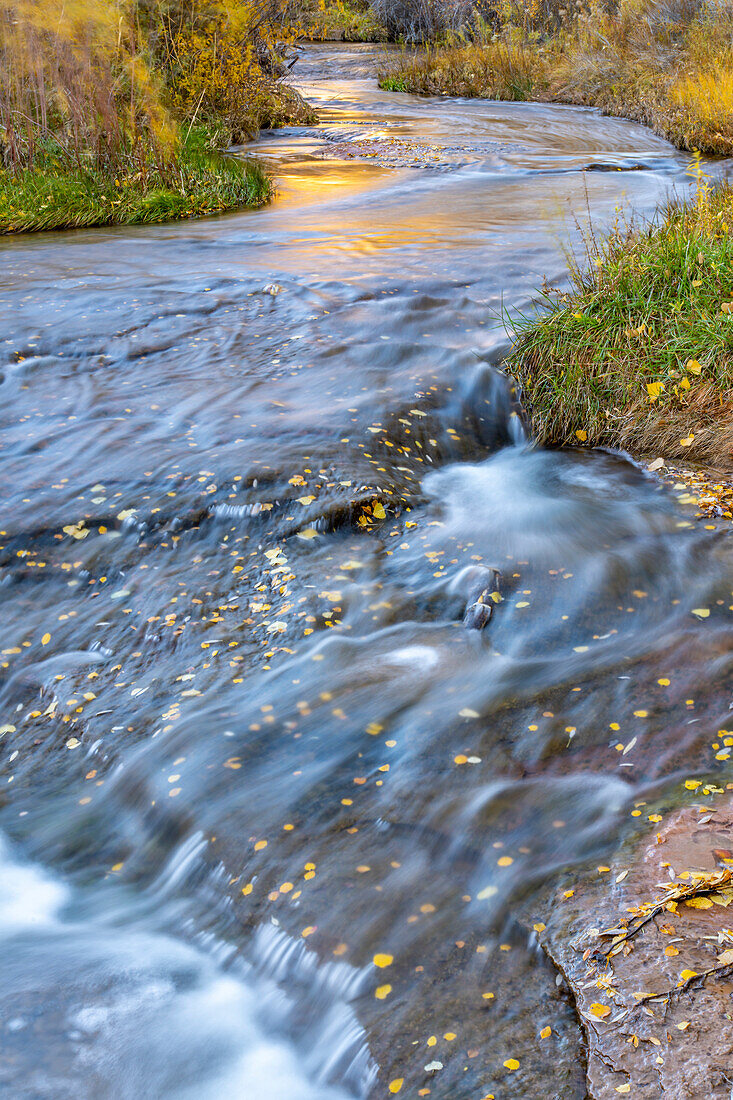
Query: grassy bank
[[56, 195], [639, 353], [667, 65], [113, 113]]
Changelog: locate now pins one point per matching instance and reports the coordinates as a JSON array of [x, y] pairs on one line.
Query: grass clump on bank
[[666, 64], [111, 110], [54, 194], [639, 353]]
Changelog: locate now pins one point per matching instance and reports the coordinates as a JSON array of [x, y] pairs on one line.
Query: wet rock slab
[[658, 1013]]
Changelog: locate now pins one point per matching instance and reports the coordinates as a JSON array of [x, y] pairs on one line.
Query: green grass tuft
[[639, 353], [55, 194]]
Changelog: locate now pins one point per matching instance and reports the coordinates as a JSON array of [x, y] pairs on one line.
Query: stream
[[276, 823]]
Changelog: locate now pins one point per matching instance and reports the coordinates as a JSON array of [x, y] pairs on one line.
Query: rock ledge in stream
[[682, 1044]]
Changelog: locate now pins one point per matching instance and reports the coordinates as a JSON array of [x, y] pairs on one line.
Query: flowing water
[[253, 470]]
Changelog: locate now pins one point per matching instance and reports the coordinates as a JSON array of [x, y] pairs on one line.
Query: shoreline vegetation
[[119, 112], [638, 353]]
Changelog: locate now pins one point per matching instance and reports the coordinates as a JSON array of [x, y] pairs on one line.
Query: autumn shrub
[[222, 61], [639, 352]]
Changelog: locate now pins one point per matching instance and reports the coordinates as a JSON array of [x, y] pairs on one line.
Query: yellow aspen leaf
[[692, 784], [546, 1033], [684, 384], [383, 960], [654, 389], [511, 1064], [45, 639], [308, 931], [378, 510], [623, 1088], [687, 441], [693, 366], [600, 1011], [686, 975], [701, 612], [396, 1085], [505, 861], [683, 1026], [670, 951], [699, 903], [582, 435], [305, 500], [382, 991]]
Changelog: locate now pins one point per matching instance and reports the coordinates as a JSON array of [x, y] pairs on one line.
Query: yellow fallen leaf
[[546, 1033], [670, 951], [382, 991], [686, 975], [396, 1085], [582, 435], [687, 441], [692, 784], [378, 510], [45, 639], [623, 1088], [600, 1011], [383, 960], [511, 1064], [305, 500], [693, 366], [701, 612], [654, 389], [683, 1026], [726, 959], [699, 903], [684, 383]]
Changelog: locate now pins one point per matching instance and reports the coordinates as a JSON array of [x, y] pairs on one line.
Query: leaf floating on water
[[396, 1085], [381, 960], [487, 892], [701, 612], [546, 1033], [511, 1064], [305, 500], [76, 530], [73, 743], [467, 713], [433, 1067], [378, 510], [382, 991]]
